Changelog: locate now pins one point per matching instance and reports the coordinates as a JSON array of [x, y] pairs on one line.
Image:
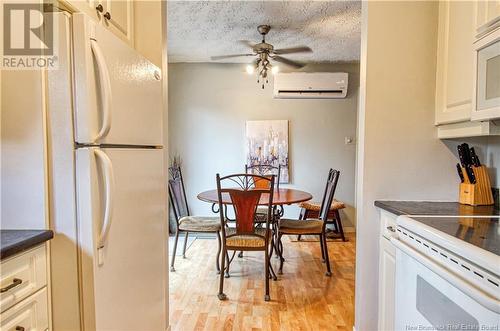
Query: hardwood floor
[[303, 298]]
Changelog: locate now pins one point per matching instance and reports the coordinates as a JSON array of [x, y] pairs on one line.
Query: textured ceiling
[[199, 29]]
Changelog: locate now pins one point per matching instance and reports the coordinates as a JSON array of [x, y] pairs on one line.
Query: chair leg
[[266, 259], [328, 270], [338, 221], [219, 244], [175, 250], [185, 244], [322, 248], [280, 270], [302, 216], [221, 294], [272, 273], [226, 274]]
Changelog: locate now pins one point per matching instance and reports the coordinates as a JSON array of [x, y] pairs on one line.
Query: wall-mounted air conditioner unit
[[304, 85]]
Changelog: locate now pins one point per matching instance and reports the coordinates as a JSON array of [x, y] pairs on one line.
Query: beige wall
[[399, 155], [208, 107]]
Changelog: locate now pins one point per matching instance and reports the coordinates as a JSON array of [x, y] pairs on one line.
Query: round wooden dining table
[[282, 196]]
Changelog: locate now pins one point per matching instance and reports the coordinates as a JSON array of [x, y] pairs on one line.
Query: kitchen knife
[[466, 153], [470, 174], [475, 158], [460, 173], [461, 155]]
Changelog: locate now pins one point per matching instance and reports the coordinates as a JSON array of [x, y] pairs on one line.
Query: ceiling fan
[[264, 53]]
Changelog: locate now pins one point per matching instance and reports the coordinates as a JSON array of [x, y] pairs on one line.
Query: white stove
[[447, 273]]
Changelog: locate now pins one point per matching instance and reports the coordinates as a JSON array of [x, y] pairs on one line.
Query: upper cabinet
[[454, 61], [468, 69], [116, 15], [487, 16], [137, 22]]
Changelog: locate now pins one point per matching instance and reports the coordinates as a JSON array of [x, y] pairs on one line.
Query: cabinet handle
[[99, 8], [20, 328], [107, 15], [15, 282], [391, 228]]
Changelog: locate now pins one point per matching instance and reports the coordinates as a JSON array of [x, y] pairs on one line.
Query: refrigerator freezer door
[[118, 98], [122, 237]]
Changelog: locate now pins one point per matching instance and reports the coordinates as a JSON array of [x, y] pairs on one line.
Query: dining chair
[[245, 191], [185, 221], [312, 226], [311, 210], [264, 170]]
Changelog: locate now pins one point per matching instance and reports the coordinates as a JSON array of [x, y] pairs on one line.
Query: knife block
[[479, 193]]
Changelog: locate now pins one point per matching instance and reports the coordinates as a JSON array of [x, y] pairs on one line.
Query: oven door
[[430, 297]]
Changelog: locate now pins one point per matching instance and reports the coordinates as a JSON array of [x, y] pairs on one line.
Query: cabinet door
[[454, 63], [120, 19], [87, 6], [386, 288], [487, 15]]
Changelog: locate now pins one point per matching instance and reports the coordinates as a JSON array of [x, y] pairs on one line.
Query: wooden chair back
[[266, 171], [331, 186], [245, 192], [177, 193]]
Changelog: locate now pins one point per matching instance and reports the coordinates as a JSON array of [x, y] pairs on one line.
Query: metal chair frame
[[176, 179], [331, 185], [245, 200]]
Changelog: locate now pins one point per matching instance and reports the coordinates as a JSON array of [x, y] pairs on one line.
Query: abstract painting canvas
[[267, 144]]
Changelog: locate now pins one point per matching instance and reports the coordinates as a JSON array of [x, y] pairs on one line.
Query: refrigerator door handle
[[108, 209], [105, 84]]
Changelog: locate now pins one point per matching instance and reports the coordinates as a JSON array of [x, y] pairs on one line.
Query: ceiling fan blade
[[247, 43], [288, 62], [299, 49], [221, 57]]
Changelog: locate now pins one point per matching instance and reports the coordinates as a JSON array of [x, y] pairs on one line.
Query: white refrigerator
[[107, 183]]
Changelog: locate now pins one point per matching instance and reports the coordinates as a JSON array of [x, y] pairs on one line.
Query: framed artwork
[[267, 145]]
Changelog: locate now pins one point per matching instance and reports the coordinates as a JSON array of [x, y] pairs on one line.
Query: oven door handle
[[481, 297]]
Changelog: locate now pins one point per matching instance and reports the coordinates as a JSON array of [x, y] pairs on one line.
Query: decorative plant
[[175, 166]]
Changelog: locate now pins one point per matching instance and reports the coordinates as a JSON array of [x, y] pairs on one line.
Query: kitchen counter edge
[[17, 241]]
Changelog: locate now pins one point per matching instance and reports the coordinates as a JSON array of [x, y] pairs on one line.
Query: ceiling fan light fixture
[[250, 69], [265, 56]]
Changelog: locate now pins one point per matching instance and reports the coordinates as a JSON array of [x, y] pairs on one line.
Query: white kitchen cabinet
[[116, 15], [387, 273], [24, 298], [487, 16], [454, 75]]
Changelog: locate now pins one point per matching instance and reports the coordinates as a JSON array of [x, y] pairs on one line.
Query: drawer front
[[21, 276], [28, 315], [387, 223]]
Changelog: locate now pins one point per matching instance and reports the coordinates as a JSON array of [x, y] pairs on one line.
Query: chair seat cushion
[[315, 206], [289, 226], [243, 240], [199, 224]]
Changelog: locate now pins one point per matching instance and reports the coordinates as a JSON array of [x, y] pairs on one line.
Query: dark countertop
[[16, 241], [481, 232], [435, 208]]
